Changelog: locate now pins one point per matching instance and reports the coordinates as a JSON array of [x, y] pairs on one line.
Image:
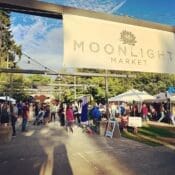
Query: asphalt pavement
[[51, 150]]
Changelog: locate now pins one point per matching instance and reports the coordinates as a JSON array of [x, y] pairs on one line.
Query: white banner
[[100, 44], [135, 121]]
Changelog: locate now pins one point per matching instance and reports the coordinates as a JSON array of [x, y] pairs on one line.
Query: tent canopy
[[164, 96], [132, 95], [7, 98]]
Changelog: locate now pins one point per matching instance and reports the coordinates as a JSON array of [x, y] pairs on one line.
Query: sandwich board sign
[[112, 127]]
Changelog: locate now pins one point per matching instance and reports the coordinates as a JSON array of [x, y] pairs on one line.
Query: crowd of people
[[43, 113], [10, 112], [78, 112], [154, 112]]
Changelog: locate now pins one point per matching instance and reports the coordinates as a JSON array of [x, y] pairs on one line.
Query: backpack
[[96, 114]]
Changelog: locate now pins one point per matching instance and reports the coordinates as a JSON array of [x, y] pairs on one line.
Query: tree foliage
[[8, 50], [35, 80], [151, 82], [8, 47]]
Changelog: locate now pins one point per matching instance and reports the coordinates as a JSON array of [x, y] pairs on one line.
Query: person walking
[[25, 116], [84, 111], [76, 112], [61, 114], [53, 110], [46, 114], [144, 112], [14, 116], [96, 116], [69, 117], [5, 111], [113, 110], [162, 113]]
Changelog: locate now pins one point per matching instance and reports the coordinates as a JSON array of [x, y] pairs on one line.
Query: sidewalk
[[50, 150]]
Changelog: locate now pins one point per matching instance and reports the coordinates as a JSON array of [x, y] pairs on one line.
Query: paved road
[[50, 150]]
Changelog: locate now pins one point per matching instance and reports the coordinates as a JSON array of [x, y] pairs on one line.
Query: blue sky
[[42, 38]]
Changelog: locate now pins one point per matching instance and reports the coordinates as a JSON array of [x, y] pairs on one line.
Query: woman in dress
[[69, 117]]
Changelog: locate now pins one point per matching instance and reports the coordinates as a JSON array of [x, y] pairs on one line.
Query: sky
[[42, 38]]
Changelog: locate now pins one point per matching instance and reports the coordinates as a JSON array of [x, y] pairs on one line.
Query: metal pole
[[75, 88], [106, 93], [59, 91], [7, 64], [11, 85], [0, 34]]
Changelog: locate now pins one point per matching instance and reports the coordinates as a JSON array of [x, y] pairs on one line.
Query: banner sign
[[101, 44]]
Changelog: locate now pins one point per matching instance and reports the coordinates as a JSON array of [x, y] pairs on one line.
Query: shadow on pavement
[[33, 153], [50, 150]]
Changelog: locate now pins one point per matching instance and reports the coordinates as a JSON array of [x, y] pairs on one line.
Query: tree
[[8, 50], [8, 47], [153, 83]]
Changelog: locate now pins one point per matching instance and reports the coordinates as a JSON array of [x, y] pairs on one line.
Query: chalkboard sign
[[111, 127]]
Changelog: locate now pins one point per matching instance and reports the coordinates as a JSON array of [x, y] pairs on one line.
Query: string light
[[38, 63]]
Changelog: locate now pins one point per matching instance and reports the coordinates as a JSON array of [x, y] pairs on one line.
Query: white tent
[[7, 98], [172, 98], [163, 97], [132, 95]]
